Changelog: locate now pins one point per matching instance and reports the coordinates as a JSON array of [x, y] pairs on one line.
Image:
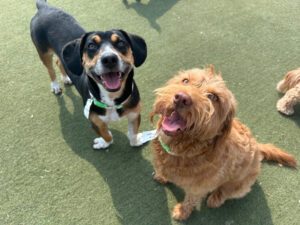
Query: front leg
[[100, 127], [183, 210], [135, 138], [158, 167]]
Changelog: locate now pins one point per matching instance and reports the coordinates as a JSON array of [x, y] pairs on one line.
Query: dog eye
[[213, 97], [121, 43], [185, 80], [92, 46]]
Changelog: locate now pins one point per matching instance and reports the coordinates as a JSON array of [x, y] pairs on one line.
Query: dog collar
[[105, 106], [165, 147], [91, 100]]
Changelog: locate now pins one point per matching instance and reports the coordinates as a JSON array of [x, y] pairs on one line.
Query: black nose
[[109, 61], [182, 99]]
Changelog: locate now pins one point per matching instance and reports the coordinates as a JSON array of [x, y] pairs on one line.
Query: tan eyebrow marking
[[97, 39], [114, 37]]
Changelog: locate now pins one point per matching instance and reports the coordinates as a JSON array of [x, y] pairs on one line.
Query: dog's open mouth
[[112, 81], [173, 124]]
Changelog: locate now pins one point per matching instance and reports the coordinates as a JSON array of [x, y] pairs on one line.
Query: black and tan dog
[[99, 64]]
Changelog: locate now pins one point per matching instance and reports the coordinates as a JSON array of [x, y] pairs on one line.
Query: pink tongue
[[173, 123], [111, 80]]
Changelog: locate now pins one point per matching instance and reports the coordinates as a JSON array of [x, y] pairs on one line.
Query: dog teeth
[[120, 75]]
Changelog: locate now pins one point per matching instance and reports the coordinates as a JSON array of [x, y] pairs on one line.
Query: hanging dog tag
[[149, 135], [87, 107]]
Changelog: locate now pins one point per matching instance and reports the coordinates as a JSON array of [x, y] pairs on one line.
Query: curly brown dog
[[291, 84], [201, 147]]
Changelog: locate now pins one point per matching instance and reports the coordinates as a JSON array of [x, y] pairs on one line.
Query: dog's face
[[194, 104], [107, 57]]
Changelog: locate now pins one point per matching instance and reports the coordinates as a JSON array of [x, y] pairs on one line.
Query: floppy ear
[[138, 46], [72, 55], [229, 119]]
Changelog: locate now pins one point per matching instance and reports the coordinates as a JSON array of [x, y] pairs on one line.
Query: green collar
[[165, 147], [105, 106]]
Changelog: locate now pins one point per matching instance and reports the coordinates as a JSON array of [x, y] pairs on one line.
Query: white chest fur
[[111, 114]]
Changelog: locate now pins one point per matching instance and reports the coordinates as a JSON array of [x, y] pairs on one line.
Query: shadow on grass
[[153, 10], [137, 198], [249, 210]]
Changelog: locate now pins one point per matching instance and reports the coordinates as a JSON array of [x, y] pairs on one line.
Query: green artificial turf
[[49, 173]]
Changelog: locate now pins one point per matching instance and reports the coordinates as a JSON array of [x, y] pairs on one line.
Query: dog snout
[[109, 60], [182, 99]]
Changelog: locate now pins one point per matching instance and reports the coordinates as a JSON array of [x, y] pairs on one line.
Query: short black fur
[[52, 28]]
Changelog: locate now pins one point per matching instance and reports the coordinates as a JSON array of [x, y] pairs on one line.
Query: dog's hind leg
[[46, 58], [64, 75], [286, 103], [100, 127], [231, 190]]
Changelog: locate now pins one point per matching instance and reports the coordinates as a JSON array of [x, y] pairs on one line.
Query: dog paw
[[66, 79], [100, 143], [180, 212], [136, 140], [282, 107], [55, 87], [160, 179], [215, 200]]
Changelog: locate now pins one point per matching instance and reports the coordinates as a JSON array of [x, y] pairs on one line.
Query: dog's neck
[[185, 147], [106, 96]]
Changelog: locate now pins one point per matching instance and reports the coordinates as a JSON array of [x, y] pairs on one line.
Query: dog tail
[[41, 4], [271, 153]]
